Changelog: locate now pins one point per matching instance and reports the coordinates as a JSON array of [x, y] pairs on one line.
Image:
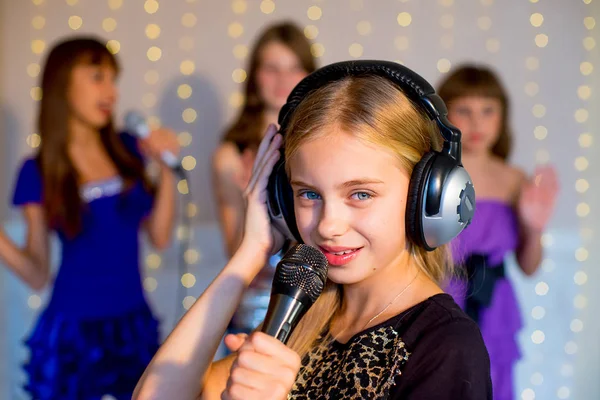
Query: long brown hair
[[472, 80], [247, 130], [62, 203], [375, 111]]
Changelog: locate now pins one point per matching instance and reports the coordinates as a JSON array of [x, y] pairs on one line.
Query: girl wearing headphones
[[512, 212], [382, 328]]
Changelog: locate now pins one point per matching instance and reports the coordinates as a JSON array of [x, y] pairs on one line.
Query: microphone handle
[[142, 131], [282, 316], [170, 159]]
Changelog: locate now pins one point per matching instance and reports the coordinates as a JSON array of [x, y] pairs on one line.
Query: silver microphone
[[135, 123], [300, 278]]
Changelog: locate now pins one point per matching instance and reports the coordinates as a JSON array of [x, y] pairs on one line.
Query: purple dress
[[492, 234]]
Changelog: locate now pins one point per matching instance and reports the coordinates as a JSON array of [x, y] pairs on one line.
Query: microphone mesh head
[[305, 268]]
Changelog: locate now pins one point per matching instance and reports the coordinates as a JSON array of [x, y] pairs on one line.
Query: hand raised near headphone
[[259, 234], [537, 199]]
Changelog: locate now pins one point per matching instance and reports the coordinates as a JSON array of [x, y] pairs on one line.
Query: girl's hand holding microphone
[[159, 141], [264, 369]]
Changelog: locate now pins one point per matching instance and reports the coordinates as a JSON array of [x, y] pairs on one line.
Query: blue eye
[[310, 195], [362, 196]]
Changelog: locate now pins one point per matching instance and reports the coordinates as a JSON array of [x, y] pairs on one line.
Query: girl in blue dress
[[87, 183]]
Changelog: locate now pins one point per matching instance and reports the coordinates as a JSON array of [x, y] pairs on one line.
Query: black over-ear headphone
[[441, 197]]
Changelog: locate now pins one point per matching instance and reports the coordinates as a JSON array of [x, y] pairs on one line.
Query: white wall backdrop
[[183, 64]]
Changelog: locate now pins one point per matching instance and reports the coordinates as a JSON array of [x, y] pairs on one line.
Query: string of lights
[[189, 115], [542, 156], [152, 32]]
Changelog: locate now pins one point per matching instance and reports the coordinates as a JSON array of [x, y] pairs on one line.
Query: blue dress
[[97, 334]]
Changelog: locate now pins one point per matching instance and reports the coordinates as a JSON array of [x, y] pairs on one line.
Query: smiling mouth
[[340, 253], [338, 257]]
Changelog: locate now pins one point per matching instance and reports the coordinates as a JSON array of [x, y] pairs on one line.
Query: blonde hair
[[374, 110]]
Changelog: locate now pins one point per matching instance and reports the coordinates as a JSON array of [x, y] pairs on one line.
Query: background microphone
[[135, 123], [299, 279]]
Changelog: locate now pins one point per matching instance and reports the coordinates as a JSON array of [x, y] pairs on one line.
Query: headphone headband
[[413, 85]]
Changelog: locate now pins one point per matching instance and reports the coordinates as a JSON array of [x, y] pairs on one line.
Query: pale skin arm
[[228, 179], [529, 252], [535, 208], [30, 263], [182, 368], [159, 225], [160, 222]]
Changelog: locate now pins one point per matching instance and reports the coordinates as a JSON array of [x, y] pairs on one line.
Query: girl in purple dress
[[511, 214], [87, 184]]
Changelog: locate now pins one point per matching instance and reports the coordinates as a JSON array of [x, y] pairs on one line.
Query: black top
[[433, 350]]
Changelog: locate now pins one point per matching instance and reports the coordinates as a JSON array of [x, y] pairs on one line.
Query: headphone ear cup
[[280, 202], [416, 195]]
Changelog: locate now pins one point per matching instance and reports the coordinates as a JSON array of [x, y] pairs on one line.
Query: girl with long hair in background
[[281, 57], [88, 185]]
